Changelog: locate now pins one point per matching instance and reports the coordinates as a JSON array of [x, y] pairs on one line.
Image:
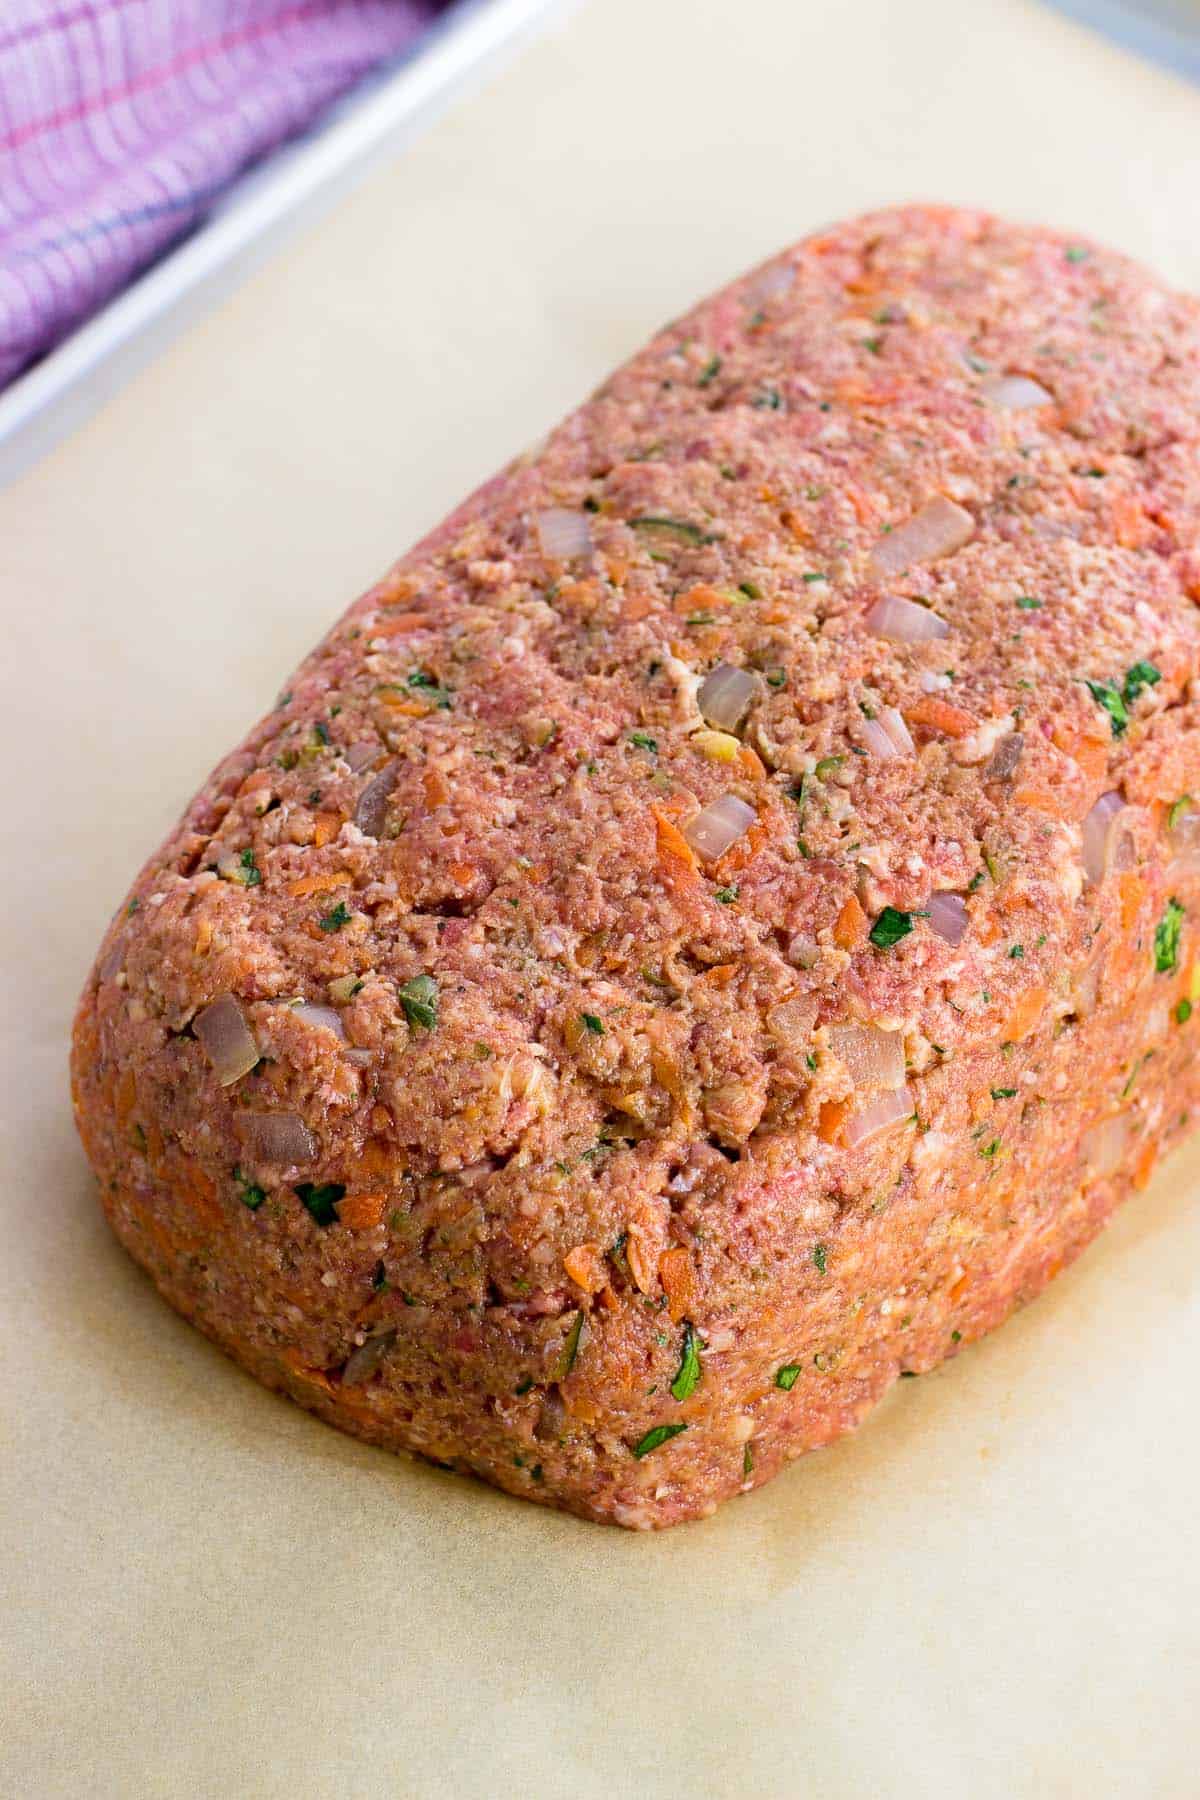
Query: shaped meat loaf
[[712, 930]]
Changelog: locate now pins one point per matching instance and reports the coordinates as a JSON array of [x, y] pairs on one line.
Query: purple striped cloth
[[121, 121]]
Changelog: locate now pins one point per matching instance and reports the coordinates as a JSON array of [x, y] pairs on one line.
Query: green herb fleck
[[594, 1024], [570, 1349], [321, 1202], [1178, 809], [641, 740], [681, 528], [820, 1257], [251, 875], [1183, 1012], [992, 1149], [956, 1337], [249, 1192], [334, 920], [815, 575], [1016, 951], [828, 765], [133, 906], [710, 371], [1140, 675], [768, 401], [658, 1434], [523, 1387], [1027, 603], [787, 1377], [1107, 695], [687, 1376], [891, 926], [419, 1001], [748, 1461], [1166, 938], [727, 895], [1117, 701], [1003, 1093], [1076, 253]]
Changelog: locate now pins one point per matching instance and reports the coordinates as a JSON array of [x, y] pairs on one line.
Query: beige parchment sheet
[[994, 1590]]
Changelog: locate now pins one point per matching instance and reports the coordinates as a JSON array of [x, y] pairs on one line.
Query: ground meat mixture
[[714, 929]]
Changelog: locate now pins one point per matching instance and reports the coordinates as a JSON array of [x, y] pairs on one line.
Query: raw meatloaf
[[712, 931]]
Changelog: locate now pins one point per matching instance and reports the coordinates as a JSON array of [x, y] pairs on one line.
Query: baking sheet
[[994, 1590], [296, 183]]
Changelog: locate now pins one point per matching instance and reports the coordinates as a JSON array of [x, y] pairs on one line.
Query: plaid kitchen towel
[[121, 121]]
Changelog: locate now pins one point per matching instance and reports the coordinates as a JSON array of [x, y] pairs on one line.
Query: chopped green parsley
[[687, 1376], [419, 1001], [1166, 938], [658, 1434]]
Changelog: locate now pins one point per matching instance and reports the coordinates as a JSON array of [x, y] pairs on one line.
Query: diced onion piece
[[324, 1018], [873, 1058], [1103, 1146], [805, 952], [275, 1137], [775, 280], [888, 736], [725, 695], [934, 681], [948, 917], [1158, 1022], [1184, 836], [718, 826], [226, 1039], [893, 723], [877, 740], [563, 533], [362, 1363], [371, 810], [937, 529], [1006, 757], [1085, 990], [791, 1022], [880, 1115], [1016, 392], [904, 622], [1100, 836], [360, 754], [110, 968]]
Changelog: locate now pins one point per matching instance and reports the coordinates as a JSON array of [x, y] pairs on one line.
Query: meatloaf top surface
[[477, 822]]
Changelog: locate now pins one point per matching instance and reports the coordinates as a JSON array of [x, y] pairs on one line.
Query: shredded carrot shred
[[677, 1273], [1143, 1168], [585, 1266], [834, 1114], [941, 715], [400, 623], [1038, 799], [851, 925], [319, 884], [672, 845], [360, 1211], [1025, 1015], [1133, 892]]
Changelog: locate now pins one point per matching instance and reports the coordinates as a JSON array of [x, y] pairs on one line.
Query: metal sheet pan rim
[[292, 187]]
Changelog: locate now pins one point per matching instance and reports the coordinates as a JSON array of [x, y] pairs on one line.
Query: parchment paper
[[994, 1590]]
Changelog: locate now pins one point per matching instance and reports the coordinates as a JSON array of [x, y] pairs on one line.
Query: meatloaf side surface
[[712, 931]]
